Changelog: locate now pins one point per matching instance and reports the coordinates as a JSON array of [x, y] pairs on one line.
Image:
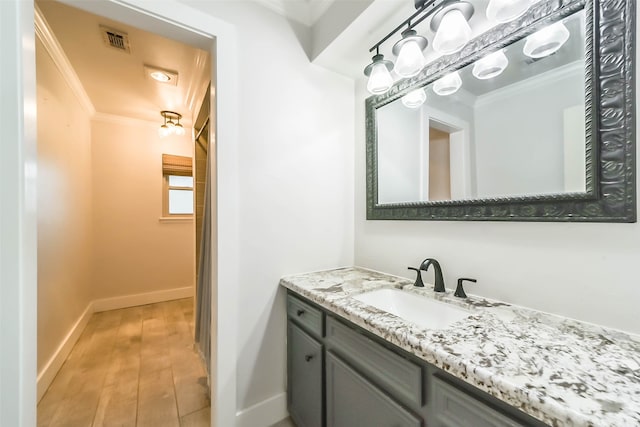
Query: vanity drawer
[[456, 408], [305, 315], [399, 376]]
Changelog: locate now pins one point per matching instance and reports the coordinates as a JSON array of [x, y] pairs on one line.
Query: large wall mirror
[[514, 127]]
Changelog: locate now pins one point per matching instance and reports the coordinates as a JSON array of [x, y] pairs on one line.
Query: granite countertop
[[560, 371]]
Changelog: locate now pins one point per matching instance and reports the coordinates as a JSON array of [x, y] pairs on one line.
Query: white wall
[[579, 270], [64, 207], [134, 252], [520, 145], [295, 188]]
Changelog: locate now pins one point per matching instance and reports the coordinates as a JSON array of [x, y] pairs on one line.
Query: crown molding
[[55, 51], [126, 120]]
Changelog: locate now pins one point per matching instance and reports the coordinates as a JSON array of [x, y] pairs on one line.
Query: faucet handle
[[460, 290], [418, 283]]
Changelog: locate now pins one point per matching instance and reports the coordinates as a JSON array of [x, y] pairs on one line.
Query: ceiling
[[115, 81], [305, 11]]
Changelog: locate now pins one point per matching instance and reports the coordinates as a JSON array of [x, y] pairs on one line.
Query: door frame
[[18, 210]]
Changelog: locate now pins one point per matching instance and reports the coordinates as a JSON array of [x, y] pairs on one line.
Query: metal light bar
[[425, 9]]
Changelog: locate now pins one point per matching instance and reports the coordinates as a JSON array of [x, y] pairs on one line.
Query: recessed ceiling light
[[161, 75]]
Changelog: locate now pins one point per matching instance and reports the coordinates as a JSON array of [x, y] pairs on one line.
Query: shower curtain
[[203, 287]]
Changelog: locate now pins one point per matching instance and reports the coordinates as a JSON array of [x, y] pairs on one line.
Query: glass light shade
[[453, 33], [546, 41], [380, 79], [410, 60], [447, 85], [490, 66], [507, 10], [415, 98], [179, 130], [164, 131]]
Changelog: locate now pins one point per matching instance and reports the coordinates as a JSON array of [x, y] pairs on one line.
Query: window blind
[[176, 165]]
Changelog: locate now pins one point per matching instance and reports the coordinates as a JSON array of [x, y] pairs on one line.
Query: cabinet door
[[305, 378], [352, 401]]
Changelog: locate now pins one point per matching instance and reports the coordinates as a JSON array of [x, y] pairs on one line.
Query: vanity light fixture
[[546, 41], [415, 98], [450, 23], [490, 66], [507, 10], [447, 85], [378, 71], [171, 127]]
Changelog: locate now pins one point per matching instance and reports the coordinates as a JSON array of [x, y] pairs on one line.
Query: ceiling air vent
[[115, 39]]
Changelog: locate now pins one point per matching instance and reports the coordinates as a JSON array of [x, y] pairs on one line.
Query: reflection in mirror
[[510, 124]]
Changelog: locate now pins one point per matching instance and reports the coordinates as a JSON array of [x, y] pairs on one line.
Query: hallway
[[131, 367]]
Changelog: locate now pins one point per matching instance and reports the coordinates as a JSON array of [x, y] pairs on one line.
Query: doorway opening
[[107, 177]]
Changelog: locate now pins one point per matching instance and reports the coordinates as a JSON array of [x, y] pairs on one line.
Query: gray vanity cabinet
[[340, 375], [353, 401]]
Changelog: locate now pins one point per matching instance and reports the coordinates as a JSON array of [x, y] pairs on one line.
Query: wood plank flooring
[[133, 367]]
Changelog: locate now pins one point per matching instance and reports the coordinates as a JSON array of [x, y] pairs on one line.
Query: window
[[178, 185]]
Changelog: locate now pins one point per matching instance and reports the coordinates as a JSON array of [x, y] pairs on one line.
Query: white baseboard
[[265, 413], [126, 301], [48, 373]]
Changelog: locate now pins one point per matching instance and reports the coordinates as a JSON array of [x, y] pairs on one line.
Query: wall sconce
[[171, 127], [450, 22]]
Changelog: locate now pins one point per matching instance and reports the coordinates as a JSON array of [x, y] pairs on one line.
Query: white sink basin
[[414, 308]]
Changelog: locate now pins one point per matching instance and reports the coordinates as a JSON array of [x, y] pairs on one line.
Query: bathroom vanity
[[352, 364]]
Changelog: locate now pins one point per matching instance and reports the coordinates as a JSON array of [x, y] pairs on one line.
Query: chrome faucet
[[439, 281]]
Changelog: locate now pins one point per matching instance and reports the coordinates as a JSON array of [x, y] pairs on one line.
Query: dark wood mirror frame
[[609, 112]]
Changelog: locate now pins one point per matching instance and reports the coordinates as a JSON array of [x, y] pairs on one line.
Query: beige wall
[[134, 252], [64, 207]]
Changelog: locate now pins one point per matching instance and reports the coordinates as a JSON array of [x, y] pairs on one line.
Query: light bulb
[[448, 84], [414, 99], [490, 66], [546, 41], [507, 10], [179, 130], [453, 33], [409, 50], [380, 79]]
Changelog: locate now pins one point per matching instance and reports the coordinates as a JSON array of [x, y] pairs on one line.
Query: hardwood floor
[[131, 367]]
